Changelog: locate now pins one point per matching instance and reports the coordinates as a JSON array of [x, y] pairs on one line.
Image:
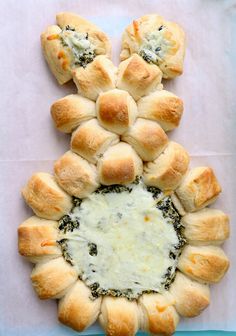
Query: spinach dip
[[81, 48], [155, 46], [123, 241]]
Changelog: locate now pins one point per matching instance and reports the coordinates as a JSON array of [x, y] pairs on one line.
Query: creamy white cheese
[[133, 241], [80, 46], [155, 46]]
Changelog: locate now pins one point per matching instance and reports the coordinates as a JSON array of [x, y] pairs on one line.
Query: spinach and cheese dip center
[[155, 45], [123, 241], [81, 48]]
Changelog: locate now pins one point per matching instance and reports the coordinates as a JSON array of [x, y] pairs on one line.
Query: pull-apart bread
[[122, 232]]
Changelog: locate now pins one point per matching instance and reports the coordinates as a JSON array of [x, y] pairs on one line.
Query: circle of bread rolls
[[119, 118]]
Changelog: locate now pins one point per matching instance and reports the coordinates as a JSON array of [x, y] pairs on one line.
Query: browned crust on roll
[[206, 226], [138, 77], [119, 316], [37, 239], [90, 140], [56, 56], [167, 171], [191, 297], [51, 279], [119, 165], [98, 76], [116, 110], [198, 189], [204, 263], [147, 138], [45, 197], [68, 112], [76, 309], [163, 107], [75, 175], [158, 314]]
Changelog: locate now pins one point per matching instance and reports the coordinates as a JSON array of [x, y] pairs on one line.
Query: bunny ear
[[60, 55], [168, 52]]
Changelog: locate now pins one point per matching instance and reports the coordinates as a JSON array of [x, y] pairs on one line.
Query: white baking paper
[[29, 142]]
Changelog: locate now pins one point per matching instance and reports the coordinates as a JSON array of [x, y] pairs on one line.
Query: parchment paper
[[29, 142]]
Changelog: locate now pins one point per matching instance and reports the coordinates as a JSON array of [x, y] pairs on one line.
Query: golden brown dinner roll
[[98, 38], [147, 138], [158, 41], [119, 316], [163, 107], [76, 309], [58, 58], [90, 140], [51, 279], [198, 189], [138, 77], [203, 263], [157, 314], [99, 76], [75, 175], [206, 227], [68, 112], [191, 297], [119, 165], [167, 171], [116, 110], [37, 239], [45, 197]]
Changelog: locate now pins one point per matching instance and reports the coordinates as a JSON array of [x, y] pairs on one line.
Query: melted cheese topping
[[155, 46], [133, 241], [81, 47]]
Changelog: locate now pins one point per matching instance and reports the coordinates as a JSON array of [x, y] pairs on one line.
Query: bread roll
[[203, 263], [147, 138], [138, 77], [177, 204], [70, 111], [98, 76], [75, 175], [51, 279], [163, 107], [191, 297], [45, 197], [57, 57], [119, 165], [168, 43], [157, 314], [206, 227], [37, 239], [76, 309], [198, 189], [98, 38], [116, 110], [90, 140], [167, 171], [119, 316]]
